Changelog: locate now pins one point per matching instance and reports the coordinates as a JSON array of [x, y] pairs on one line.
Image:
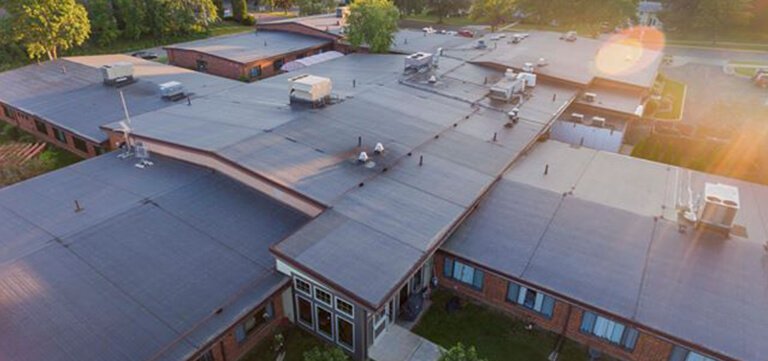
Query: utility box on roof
[[418, 61], [312, 89], [721, 202], [117, 73]]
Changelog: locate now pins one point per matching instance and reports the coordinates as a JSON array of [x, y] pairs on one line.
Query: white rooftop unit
[[171, 90], [577, 117], [418, 61], [721, 202], [310, 89], [598, 122], [507, 87], [530, 79], [117, 73], [590, 97]]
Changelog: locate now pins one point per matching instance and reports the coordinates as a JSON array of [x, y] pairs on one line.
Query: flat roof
[[313, 152], [624, 101], [328, 23], [132, 257], [407, 41], [252, 46], [58, 91], [617, 60], [601, 228]]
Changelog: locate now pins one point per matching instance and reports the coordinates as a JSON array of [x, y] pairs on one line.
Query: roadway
[[720, 55]]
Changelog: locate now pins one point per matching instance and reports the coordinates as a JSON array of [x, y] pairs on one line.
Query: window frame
[[296, 280], [59, 132], [545, 302], [627, 332], [330, 302], [300, 321], [277, 68], [351, 313], [41, 124], [350, 348], [76, 141], [206, 356], [332, 336], [477, 283]]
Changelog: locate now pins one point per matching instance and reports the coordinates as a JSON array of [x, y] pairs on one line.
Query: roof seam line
[[541, 238], [645, 268]]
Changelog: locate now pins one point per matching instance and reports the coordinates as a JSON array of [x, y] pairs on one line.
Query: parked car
[[147, 55], [467, 33]]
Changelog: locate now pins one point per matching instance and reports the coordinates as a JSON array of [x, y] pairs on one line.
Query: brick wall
[[226, 348], [26, 123], [233, 70], [217, 66], [566, 318]]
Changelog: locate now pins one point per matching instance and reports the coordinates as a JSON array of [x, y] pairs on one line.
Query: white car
[[429, 30]]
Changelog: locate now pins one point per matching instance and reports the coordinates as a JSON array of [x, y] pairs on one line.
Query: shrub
[[328, 354], [249, 20]]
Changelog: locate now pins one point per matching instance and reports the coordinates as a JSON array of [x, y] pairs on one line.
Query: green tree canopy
[[327, 354], [583, 12], [131, 16], [408, 7], [44, 27], [103, 22], [460, 353], [314, 7], [496, 12], [443, 8], [709, 15], [239, 9], [372, 22]]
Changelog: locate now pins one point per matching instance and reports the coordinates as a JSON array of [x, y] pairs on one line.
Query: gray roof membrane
[[137, 273], [314, 152], [69, 92], [627, 258], [252, 46]]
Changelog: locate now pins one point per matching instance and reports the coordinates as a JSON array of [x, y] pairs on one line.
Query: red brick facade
[[234, 70], [226, 348], [72, 143], [566, 317]]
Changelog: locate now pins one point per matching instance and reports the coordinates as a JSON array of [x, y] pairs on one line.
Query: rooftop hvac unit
[[721, 202], [117, 73], [312, 89], [171, 90], [528, 68], [506, 88], [578, 118], [542, 62], [590, 97], [529, 78], [598, 122], [418, 61]]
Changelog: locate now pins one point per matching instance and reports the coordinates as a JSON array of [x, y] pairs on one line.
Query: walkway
[[399, 344]]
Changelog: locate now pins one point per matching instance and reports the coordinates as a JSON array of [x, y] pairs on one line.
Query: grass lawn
[[496, 336], [674, 90], [297, 341]]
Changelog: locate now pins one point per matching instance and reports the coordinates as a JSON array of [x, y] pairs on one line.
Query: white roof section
[[310, 60]]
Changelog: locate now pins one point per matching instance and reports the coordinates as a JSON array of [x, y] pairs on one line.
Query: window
[[207, 356], [324, 322], [609, 330], [80, 144], [323, 296], [683, 354], [302, 286], [304, 308], [345, 333], [256, 71], [254, 322], [345, 307], [278, 64], [530, 299], [98, 150], [418, 280], [59, 135], [201, 65], [41, 127], [463, 273]]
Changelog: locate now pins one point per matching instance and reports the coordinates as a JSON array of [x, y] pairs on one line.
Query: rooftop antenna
[[125, 127]]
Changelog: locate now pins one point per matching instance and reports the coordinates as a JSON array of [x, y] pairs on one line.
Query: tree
[[715, 15], [496, 12], [285, 5], [443, 8], [44, 27], [408, 7], [314, 7], [239, 9], [103, 22], [460, 353], [328, 354], [372, 22], [132, 19], [708, 15], [219, 7]]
